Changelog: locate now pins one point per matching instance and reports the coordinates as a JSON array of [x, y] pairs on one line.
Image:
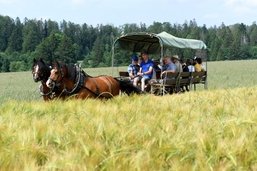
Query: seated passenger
[[156, 69], [184, 66], [168, 65], [198, 65], [133, 68], [146, 70], [175, 60], [190, 66]]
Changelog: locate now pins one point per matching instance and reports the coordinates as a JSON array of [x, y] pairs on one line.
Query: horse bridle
[[75, 88], [41, 77], [56, 82], [45, 94]]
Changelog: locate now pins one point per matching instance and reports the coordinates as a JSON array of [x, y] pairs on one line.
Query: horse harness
[[43, 79], [81, 76], [51, 93]]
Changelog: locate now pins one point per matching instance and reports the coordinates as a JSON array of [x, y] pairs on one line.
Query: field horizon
[[221, 75]]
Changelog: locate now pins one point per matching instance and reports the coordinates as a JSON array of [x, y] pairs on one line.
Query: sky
[[120, 12]]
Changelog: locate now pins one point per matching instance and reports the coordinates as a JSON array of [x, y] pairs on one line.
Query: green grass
[[18, 86], [221, 75], [232, 74]]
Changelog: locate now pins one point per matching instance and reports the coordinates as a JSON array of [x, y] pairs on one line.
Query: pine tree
[[15, 40], [32, 36], [6, 27]]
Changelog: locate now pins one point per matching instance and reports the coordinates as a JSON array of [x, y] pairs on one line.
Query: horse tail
[[127, 87]]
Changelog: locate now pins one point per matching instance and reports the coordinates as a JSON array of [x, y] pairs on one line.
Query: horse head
[[40, 70], [57, 73]]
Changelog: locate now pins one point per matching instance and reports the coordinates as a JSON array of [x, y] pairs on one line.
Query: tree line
[[22, 41]]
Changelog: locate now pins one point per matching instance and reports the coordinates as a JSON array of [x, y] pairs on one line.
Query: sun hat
[[175, 57]]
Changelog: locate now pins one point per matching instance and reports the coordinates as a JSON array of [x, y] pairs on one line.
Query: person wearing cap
[[133, 68], [175, 60], [146, 69]]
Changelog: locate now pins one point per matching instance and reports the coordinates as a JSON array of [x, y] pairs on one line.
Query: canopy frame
[[155, 43]]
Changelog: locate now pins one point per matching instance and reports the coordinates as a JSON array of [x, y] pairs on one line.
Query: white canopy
[[154, 43], [170, 40]]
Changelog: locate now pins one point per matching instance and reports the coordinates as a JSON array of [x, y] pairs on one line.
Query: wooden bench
[[184, 81], [173, 82], [165, 85], [124, 75], [198, 78]]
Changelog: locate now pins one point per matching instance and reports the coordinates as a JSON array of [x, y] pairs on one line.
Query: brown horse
[[75, 82], [41, 72]]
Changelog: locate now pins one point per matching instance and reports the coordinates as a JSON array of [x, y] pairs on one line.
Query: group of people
[[141, 71], [142, 68]]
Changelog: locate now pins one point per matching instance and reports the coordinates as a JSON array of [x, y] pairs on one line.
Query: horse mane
[[46, 67], [71, 71]]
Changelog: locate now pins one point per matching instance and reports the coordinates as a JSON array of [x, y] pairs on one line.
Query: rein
[[96, 94]]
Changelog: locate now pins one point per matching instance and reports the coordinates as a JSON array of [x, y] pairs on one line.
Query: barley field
[[214, 129]]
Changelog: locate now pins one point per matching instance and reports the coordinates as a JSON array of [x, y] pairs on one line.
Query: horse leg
[[83, 94], [128, 87]]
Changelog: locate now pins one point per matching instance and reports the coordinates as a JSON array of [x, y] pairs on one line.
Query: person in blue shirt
[[146, 69], [168, 65], [133, 69]]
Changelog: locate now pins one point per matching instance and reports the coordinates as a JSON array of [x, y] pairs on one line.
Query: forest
[[22, 41]]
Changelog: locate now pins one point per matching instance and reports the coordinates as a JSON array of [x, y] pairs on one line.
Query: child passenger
[[133, 69]]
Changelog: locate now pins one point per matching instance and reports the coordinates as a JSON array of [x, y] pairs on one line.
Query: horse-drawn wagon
[[162, 44]]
